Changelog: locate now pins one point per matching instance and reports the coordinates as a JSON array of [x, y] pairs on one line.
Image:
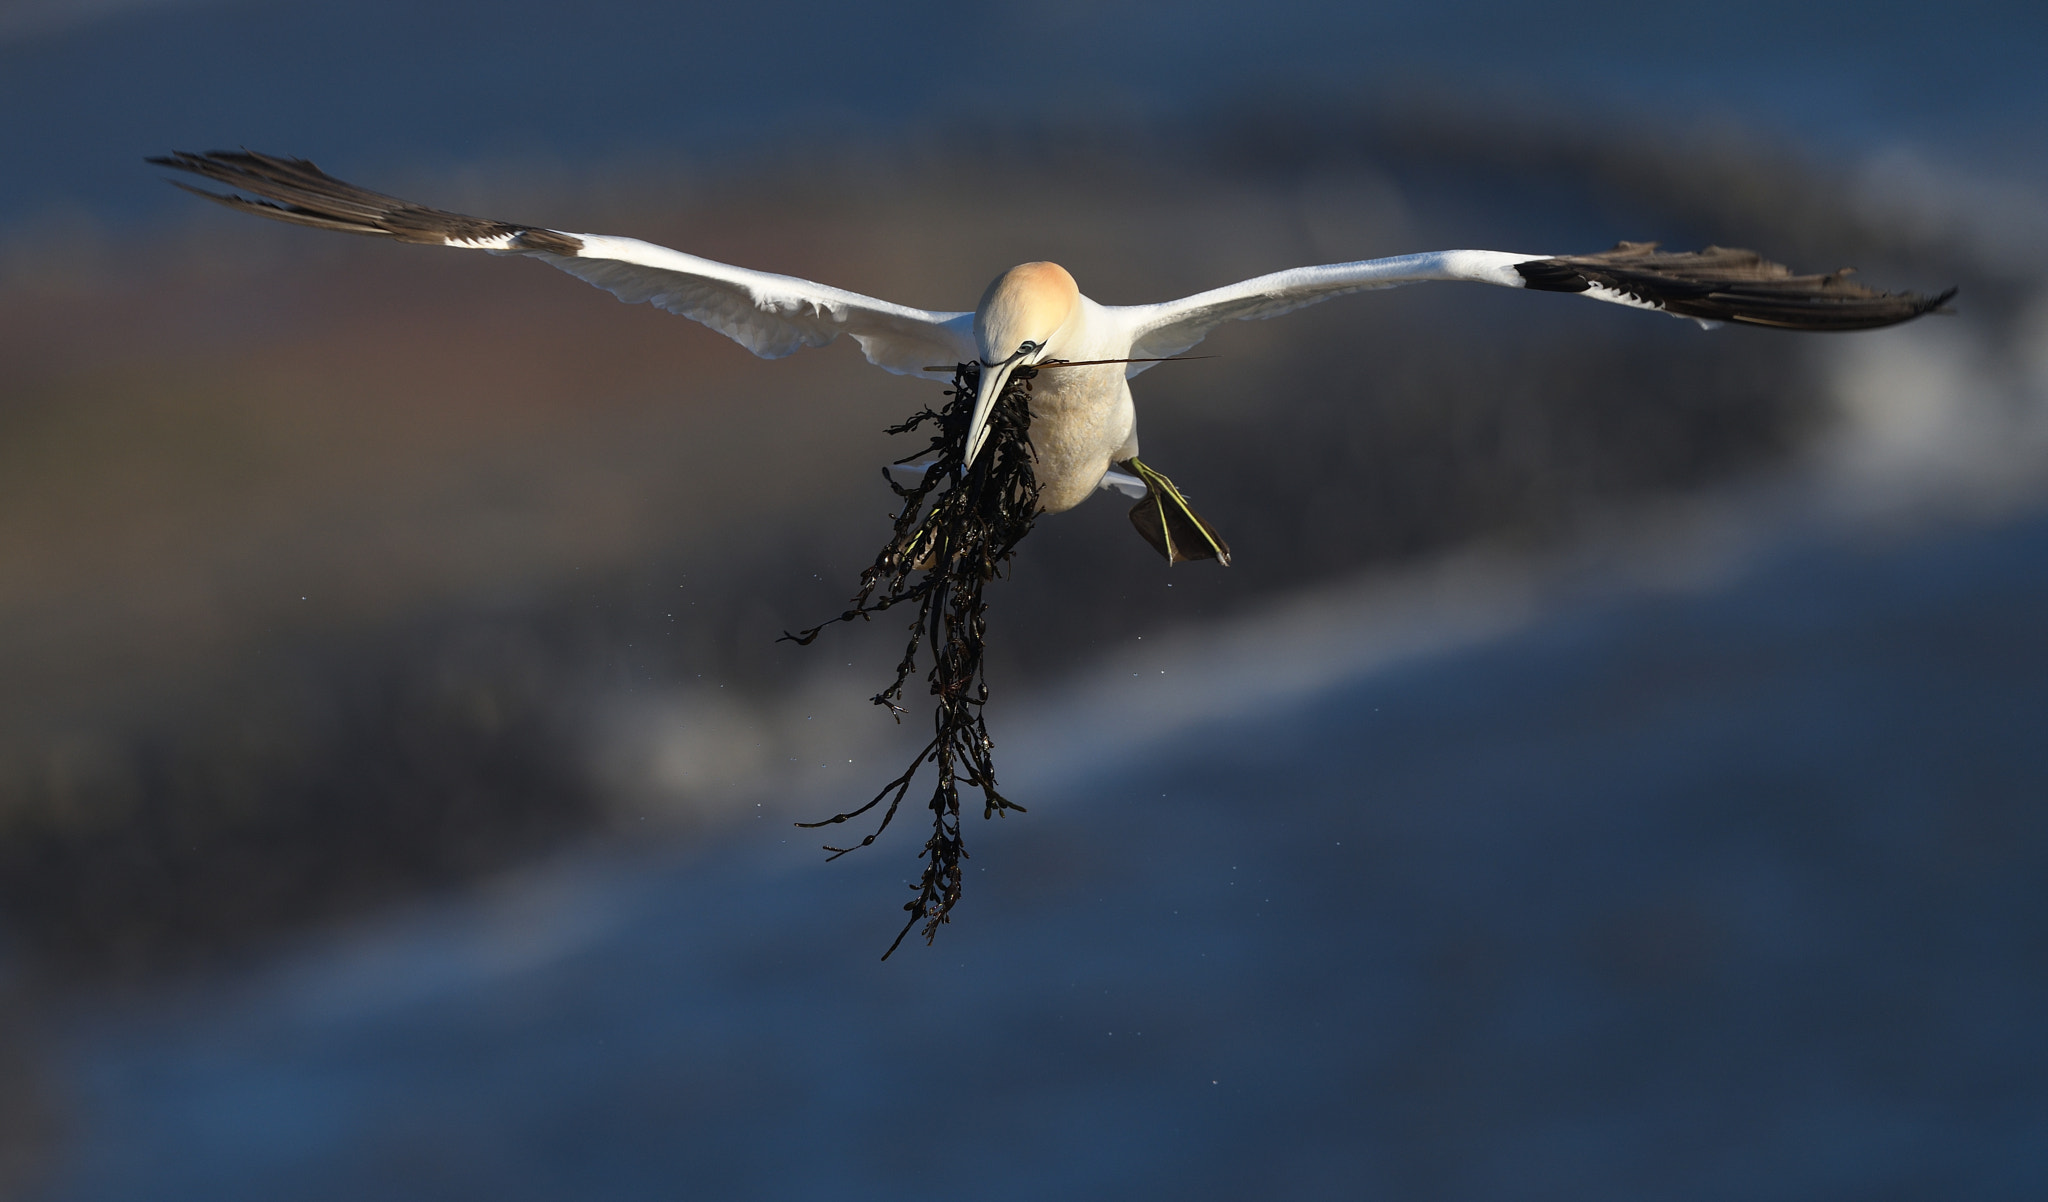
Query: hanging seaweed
[[941, 557]]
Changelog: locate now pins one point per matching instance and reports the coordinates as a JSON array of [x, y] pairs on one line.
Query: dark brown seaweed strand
[[954, 549]]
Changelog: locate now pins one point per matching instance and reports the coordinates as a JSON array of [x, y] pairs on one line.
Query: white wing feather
[[1173, 327], [771, 315]]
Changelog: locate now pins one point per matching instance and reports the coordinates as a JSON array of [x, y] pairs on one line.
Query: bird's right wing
[[771, 315], [1710, 286]]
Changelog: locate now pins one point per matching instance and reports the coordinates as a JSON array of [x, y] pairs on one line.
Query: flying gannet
[[1083, 425], [1047, 371]]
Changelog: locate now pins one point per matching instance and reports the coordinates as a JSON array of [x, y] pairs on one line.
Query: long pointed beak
[[994, 378]]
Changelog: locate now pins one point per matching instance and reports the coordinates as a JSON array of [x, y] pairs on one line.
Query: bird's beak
[[994, 378]]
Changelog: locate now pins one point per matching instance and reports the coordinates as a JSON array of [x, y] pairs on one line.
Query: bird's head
[[1020, 317]]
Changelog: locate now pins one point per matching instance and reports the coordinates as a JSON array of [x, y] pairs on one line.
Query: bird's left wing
[[1713, 285], [771, 315]]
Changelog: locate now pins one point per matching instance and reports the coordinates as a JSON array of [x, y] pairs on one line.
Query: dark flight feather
[[296, 191], [1723, 284]]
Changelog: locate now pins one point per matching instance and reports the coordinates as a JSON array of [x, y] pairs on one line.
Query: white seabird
[[1083, 425]]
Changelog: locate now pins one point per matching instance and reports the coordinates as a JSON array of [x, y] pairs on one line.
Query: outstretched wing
[[1713, 285], [771, 315]]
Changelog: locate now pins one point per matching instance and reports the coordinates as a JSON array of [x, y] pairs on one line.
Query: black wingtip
[[1726, 284], [182, 186], [297, 191]]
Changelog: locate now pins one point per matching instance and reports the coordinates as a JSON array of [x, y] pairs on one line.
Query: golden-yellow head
[[1018, 318], [1028, 303]]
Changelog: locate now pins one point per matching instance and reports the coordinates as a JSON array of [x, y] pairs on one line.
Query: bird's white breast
[[1080, 418]]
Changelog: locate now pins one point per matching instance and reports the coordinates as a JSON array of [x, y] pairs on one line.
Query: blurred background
[[1610, 769]]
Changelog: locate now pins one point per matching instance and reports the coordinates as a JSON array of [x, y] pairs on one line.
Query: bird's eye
[[1027, 348]]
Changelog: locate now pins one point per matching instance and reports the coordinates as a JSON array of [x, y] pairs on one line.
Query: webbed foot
[[1166, 520]]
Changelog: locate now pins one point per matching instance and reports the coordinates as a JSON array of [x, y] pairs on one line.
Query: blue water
[[1733, 895], [377, 85]]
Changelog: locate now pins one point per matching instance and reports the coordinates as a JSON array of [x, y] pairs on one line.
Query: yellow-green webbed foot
[[1166, 520]]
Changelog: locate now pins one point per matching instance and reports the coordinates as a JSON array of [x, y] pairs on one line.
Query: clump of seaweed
[[941, 558]]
